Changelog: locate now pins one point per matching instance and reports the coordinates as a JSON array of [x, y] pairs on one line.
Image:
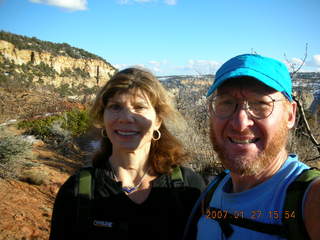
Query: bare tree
[[302, 119]]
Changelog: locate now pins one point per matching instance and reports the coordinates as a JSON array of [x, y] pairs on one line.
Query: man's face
[[247, 145]]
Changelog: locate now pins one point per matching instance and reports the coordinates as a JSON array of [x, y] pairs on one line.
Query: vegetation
[[13, 151], [70, 124], [56, 49], [191, 102], [34, 176], [59, 130]]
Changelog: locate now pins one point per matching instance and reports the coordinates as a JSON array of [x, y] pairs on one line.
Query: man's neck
[[242, 183]]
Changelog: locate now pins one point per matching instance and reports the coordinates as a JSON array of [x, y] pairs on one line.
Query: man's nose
[[241, 118]]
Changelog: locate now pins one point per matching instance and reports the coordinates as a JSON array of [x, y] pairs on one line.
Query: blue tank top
[[263, 203]]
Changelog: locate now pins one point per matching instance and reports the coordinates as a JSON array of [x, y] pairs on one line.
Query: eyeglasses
[[257, 106]]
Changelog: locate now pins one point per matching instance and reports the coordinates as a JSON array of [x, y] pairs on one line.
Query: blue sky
[[173, 36]]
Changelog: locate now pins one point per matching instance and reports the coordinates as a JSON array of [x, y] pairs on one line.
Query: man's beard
[[244, 166]]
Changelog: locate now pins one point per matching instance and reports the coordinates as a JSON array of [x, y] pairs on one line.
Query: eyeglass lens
[[257, 106]]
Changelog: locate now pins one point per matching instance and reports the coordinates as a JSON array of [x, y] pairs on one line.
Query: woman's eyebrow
[[113, 102]]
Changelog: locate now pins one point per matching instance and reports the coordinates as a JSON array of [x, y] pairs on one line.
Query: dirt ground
[[25, 209]]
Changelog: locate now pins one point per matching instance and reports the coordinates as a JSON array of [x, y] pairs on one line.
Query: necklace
[[129, 189]]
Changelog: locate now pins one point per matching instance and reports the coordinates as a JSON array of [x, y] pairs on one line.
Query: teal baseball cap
[[269, 71]]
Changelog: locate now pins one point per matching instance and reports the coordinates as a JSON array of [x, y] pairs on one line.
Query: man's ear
[[292, 109]]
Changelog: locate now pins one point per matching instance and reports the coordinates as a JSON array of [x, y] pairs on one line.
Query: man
[[251, 112]]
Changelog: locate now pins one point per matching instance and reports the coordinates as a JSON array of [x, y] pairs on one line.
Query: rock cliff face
[[94, 71]]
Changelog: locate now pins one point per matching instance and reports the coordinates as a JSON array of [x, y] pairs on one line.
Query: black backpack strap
[[225, 219], [84, 193], [207, 198], [293, 225], [292, 216], [199, 204]]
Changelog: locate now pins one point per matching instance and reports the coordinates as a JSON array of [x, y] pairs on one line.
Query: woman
[[137, 194]]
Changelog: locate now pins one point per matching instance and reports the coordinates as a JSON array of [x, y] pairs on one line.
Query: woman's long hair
[[165, 153]]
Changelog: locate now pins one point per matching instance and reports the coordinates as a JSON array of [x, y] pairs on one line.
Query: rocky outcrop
[[95, 71]]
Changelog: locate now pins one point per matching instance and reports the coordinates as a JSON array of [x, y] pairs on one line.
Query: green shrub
[[77, 122], [13, 151], [65, 90], [39, 127], [63, 127]]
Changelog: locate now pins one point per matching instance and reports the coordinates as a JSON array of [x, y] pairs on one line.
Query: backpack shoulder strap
[[292, 216], [85, 183], [193, 217], [177, 178], [211, 189], [84, 194]]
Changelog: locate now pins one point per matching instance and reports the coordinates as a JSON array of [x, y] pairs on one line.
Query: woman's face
[[130, 120]]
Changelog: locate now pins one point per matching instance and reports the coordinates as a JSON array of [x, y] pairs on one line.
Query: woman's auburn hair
[[165, 153]]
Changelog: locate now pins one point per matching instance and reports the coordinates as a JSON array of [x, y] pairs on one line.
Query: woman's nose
[[126, 115]]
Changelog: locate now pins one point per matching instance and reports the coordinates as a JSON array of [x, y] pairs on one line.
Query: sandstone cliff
[[63, 68]]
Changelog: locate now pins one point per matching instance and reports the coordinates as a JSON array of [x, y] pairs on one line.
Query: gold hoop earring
[[158, 137], [104, 133]]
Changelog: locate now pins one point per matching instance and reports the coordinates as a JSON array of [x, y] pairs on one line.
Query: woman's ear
[[158, 123]]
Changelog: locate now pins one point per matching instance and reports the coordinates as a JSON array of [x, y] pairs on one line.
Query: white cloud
[[143, 1], [157, 63], [316, 59], [165, 67], [71, 5], [311, 65], [156, 69], [203, 66], [125, 2], [157, 66], [122, 2], [294, 63], [170, 2], [120, 66], [139, 65]]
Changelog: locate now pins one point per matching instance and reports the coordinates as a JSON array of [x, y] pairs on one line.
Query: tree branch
[[305, 121]]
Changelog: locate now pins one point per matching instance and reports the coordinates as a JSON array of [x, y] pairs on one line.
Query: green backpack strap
[[85, 183], [84, 193], [292, 216], [177, 178]]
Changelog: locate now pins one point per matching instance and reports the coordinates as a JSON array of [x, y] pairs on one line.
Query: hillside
[[40, 62], [26, 206]]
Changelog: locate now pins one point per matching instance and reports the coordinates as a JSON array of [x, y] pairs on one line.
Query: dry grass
[[32, 103], [34, 176]]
